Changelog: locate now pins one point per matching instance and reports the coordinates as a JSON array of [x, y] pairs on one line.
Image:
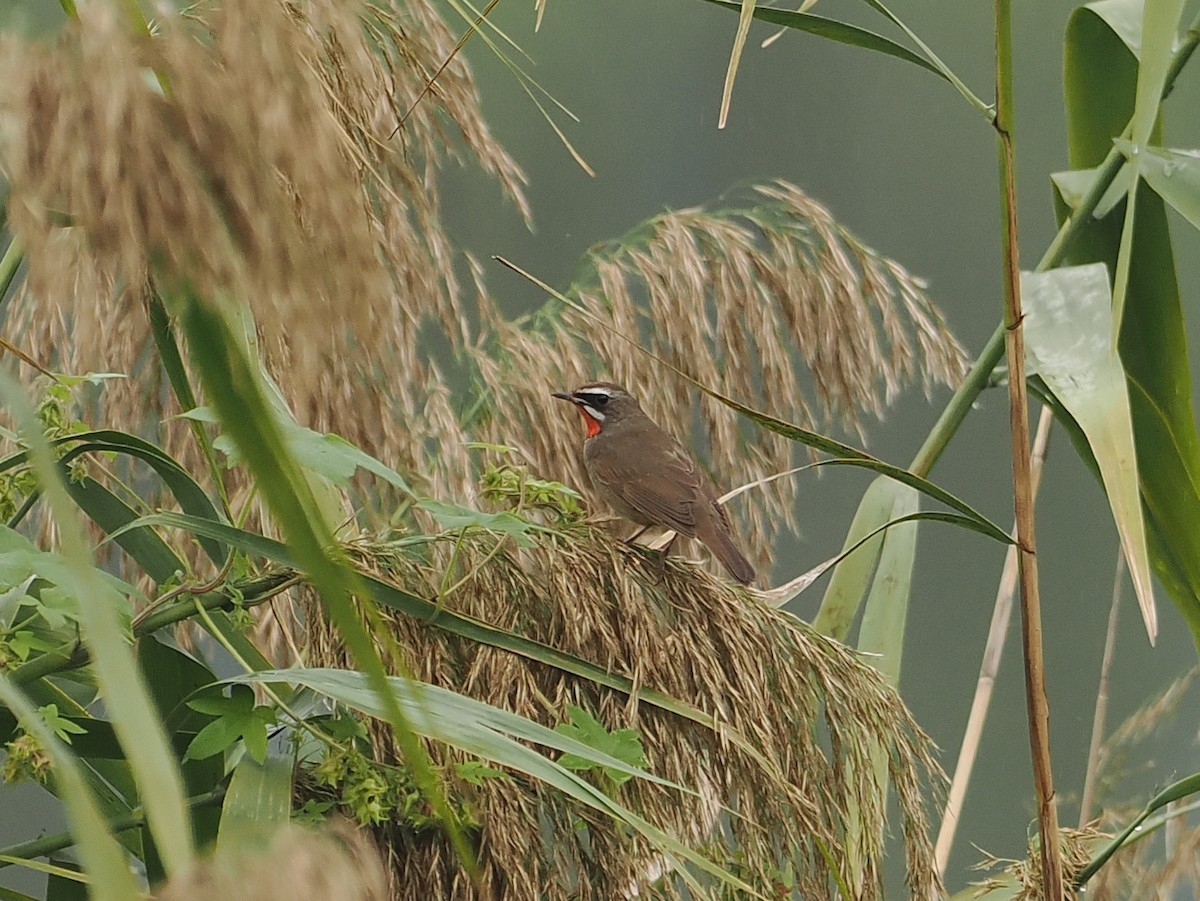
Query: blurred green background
[[909, 167]]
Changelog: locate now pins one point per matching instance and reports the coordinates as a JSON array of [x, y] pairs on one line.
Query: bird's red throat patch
[[593, 424]]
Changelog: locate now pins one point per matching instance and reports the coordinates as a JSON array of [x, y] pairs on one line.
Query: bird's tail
[[720, 542]]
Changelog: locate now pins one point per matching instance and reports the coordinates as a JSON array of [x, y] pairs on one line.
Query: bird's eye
[[600, 400]]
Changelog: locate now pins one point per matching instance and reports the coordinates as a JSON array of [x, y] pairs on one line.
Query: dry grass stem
[[990, 665], [1095, 747], [804, 701]]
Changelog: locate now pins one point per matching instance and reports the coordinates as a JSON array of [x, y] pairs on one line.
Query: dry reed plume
[[258, 162], [251, 150], [772, 302], [807, 704]]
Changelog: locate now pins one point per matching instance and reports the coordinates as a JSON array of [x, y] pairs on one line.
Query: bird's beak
[[562, 395]]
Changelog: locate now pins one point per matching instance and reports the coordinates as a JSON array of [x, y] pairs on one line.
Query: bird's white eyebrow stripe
[[596, 389]]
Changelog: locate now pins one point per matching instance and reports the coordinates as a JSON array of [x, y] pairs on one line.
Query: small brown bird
[[646, 475]]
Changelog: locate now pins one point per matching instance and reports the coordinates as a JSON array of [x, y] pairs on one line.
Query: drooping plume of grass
[[771, 301], [808, 707], [253, 149]]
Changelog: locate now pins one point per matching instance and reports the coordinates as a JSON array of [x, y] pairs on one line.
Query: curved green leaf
[[1160, 18], [111, 513], [1068, 339], [1173, 174], [832, 29], [187, 493], [1174, 792], [846, 455]]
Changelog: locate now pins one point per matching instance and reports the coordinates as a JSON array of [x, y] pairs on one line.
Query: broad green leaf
[[886, 610], [1073, 186], [881, 636], [623, 744], [8, 894], [258, 803], [59, 888], [103, 857], [173, 675], [443, 715], [21, 558], [1173, 174], [1100, 76], [326, 454], [186, 491], [1123, 18], [110, 513], [237, 717], [1160, 21], [171, 359], [13, 597], [1068, 339], [62, 727], [456, 516], [188, 494]]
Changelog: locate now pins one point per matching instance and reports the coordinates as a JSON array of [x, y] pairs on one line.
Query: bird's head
[[601, 404]]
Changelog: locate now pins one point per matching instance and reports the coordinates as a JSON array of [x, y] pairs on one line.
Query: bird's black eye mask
[[594, 399]]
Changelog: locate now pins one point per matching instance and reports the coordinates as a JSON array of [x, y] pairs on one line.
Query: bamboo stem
[[1037, 706]]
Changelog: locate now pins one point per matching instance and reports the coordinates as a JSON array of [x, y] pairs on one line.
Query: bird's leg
[[661, 565]]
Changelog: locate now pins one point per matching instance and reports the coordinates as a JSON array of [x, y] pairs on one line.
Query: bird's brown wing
[[674, 493]]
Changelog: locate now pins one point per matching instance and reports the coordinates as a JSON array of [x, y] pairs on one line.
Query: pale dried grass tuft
[[335, 863], [808, 704], [1077, 847], [255, 150], [263, 163]]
